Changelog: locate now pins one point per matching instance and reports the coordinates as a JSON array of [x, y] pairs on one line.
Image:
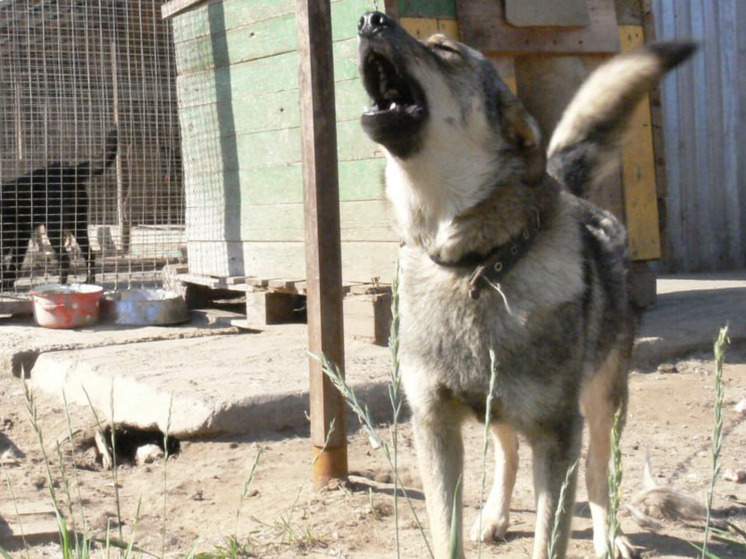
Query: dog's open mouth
[[398, 107]]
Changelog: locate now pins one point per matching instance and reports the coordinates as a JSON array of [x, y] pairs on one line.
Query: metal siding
[[706, 159]]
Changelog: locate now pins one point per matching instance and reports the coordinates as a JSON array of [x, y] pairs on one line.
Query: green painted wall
[[428, 8], [237, 88]]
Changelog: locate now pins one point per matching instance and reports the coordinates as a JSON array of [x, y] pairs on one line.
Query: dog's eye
[[445, 47]]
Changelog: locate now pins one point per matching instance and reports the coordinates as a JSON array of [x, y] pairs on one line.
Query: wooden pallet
[[367, 313], [32, 522], [272, 301]]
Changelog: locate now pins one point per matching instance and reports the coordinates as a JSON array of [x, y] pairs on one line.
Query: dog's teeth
[[393, 106]]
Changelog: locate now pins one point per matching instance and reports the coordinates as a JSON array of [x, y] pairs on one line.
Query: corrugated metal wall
[[704, 107]]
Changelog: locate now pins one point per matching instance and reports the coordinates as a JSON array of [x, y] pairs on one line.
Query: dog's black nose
[[372, 23]]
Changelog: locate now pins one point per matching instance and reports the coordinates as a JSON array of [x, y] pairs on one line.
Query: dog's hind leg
[[57, 240], [601, 397], [81, 237], [556, 449], [495, 517], [15, 243], [440, 452]]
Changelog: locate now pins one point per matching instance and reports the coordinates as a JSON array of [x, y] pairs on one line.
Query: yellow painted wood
[[449, 27], [505, 66], [638, 171], [422, 28]]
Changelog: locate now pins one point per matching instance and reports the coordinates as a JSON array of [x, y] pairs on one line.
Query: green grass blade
[[455, 524], [720, 348]]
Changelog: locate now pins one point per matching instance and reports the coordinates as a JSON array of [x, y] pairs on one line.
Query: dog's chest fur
[[446, 336]]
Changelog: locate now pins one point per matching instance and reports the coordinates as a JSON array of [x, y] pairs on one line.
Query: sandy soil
[[199, 500]]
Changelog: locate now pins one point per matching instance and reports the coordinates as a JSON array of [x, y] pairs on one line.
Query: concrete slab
[[244, 383], [22, 341], [688, 314], [250, 383]]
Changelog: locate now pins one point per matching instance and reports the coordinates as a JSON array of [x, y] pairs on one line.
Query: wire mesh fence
[[90, 158]]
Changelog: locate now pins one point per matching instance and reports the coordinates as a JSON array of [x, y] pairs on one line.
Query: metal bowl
[[66, 306], [145, 307]]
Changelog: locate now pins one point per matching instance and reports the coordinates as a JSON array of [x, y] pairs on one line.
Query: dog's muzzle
[[398, 109]]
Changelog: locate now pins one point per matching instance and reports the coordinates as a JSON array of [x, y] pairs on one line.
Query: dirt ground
[[199, 499]]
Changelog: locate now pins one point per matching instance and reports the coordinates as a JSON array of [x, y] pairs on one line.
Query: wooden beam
[[323, 246]]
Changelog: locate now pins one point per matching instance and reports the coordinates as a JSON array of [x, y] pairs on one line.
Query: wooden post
[[323, 250]]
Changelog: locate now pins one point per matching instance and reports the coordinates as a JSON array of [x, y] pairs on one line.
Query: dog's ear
[[522, 132], [519, 127]]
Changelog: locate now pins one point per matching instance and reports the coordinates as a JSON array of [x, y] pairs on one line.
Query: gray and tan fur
[[466, 175]]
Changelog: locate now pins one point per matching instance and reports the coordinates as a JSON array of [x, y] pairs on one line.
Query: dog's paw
[[493, 528], [623, 549]]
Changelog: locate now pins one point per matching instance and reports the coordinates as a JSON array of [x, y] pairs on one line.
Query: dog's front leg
[[554, 454], [494, 520], [440, 453]]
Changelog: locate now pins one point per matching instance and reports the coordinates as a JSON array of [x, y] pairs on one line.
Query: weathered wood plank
[[735, 119], [360, 221], [23, 521], [483, 26], [345, 17], [200, 20], [638, 171], [361, 261], [14, 306], [427, 9], [265, 75], [359, 180], [703, 232], [263, 308], [540, 13], [175, 7], [420, 28], [271, 149], [369, 317], [665, 28], [724, 85], [221, 48], [322, 237], [704, 122], [251, 113]]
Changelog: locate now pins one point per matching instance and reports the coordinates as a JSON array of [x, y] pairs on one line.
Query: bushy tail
[[585, 144]]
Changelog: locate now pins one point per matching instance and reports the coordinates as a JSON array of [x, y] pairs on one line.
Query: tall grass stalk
[[485, 445], [65, 483], [721, 345], [114, 465], [613, 526], [71, 439], [34, 417], [332, 371], [560, 511], [245, 490], [165, 475], [395, 396], [453, 548], [288, 531]]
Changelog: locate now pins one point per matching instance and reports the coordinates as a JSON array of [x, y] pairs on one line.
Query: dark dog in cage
[[54, 196]]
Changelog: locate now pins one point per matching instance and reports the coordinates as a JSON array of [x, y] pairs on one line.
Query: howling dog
[[505, 267], [54, 196]]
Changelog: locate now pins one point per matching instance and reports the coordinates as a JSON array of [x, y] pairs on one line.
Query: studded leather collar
[[491, 268]]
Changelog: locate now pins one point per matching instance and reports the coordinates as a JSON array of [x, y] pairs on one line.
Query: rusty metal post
[[323, 250]]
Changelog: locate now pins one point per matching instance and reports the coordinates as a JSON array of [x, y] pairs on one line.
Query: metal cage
[[89, 143]]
